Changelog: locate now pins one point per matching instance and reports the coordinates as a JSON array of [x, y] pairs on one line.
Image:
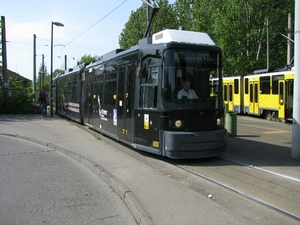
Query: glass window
[[149, 82], [251, 92], [230, 92], [236, 86], [281, 94], [98, 89], [265, 85], [151, 76], [196, 66], [275, 81], [110, 89], [148, 97], [246, 85], [256, 92], [225, 93]]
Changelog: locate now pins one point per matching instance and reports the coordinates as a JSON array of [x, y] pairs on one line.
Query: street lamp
[[51, 81]]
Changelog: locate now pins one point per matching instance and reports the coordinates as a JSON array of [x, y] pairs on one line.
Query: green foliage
[[136, 25], [86, 59], [18, 99], [237, 26]]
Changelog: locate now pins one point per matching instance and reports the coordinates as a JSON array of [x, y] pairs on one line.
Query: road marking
[[260, 127], [275, 132]]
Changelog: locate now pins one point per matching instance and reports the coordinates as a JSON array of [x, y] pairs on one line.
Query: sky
[[90, 27]]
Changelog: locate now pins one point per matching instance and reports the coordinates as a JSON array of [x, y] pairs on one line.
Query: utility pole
[[268, 44], [34, 68], [43, 72], [289, 44], [65, 62], [4, 59], [296, 104]]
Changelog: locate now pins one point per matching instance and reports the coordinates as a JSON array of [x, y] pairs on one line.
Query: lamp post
[[51, 80]]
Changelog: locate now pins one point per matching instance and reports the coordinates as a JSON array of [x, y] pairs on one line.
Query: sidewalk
[[151, 197]]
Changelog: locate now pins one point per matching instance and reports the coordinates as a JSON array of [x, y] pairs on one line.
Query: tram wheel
[[268, 115]]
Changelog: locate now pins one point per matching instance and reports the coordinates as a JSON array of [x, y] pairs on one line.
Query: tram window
[[246, 85], [256, 93], [110, 89], [281, 94], [74, 91], [236, 86], [151, 76], [213, 84], [98, 88], [265, 85], [251, 92], [111, 77], [230, 92], [225, 92], [148, 97], [275, 81], [291, 87]]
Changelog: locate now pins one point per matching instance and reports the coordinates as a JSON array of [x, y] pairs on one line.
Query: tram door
[[88, 95], [254, 95], [228, 95], [125, 102], [282, 99], [289, 99]]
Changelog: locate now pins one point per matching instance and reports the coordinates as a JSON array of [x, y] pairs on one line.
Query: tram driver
[[186, 92]]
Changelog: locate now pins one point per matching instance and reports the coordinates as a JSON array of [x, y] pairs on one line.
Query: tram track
[[290, 210], [255, 179], [260, 169], [256, 194]]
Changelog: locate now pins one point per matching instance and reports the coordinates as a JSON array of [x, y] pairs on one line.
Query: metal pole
[[296, 103], [34, 68], [51, 81], [51, 77], [65, 62], [268, 44], [43, 74], [289, 44], [4, 60]]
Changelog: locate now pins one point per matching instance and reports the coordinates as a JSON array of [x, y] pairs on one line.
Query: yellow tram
[[269, 95]]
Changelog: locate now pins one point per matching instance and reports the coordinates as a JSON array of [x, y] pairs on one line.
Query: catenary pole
[[296, 103], [34, 68], [4, 59]]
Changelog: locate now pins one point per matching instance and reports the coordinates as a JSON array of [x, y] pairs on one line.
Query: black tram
[[131, 95]]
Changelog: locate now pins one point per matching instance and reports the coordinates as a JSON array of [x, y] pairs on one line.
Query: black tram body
[[131, 96]]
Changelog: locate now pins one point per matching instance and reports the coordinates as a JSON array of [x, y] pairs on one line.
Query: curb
[[122, 190]]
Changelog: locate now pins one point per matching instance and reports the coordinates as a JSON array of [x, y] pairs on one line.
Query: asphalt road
[[39, 185]]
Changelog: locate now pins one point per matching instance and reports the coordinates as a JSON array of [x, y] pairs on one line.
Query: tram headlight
[[220, 122], [178, 123], [175, 124]]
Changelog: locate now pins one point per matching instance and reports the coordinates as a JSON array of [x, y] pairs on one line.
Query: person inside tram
[[186, 92]]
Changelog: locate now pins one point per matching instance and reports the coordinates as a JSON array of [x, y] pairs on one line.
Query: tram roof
[[181, 36], [162, 37]]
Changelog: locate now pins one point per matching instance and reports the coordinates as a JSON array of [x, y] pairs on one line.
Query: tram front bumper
[[194, 144]]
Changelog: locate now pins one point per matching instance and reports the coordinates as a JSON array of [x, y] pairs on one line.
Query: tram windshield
[[186, 78]]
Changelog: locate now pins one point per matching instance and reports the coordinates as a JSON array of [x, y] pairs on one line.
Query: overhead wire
[[97, 22]]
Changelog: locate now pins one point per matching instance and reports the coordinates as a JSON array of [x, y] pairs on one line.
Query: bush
[[18, 99]]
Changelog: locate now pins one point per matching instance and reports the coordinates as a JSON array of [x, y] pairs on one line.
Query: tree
[[86, 59], [19, 100], [136, 25], [134, 28], [237, 26]]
